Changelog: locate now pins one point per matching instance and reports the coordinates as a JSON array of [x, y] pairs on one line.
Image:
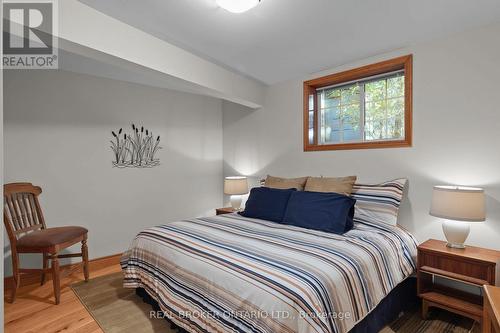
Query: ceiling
[[283, 39]]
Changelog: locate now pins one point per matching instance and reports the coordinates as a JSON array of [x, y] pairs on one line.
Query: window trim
[[401, 63]]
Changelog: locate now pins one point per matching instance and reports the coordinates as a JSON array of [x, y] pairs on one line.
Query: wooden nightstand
[[472, 266], [491, 311], [225, 210]]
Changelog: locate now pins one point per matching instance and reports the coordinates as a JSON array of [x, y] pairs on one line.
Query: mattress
[[228, 273]]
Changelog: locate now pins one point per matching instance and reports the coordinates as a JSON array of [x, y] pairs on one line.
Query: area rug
[[117, 309], [439, 321], [120, 310]]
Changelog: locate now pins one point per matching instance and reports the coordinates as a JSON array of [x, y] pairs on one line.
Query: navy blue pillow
[[267, 203], [330, 212]]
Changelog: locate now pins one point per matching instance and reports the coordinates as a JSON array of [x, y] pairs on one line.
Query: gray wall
[[57, 130], [456, 133]]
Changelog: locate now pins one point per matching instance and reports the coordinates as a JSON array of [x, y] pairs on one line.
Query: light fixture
[[458, 205], [237, 6], [236, 187]]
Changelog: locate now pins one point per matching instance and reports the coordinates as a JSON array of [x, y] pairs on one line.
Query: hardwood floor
[[35, 312]]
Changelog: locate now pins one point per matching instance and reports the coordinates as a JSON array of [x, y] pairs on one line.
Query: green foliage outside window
[[383, 101]]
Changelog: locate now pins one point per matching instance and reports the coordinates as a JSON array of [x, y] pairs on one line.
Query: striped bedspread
[[233, 274]]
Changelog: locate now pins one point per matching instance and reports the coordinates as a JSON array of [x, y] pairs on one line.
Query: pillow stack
[[308, 202], [325, 204]]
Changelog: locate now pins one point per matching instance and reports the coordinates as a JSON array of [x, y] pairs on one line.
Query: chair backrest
[[21, 210]]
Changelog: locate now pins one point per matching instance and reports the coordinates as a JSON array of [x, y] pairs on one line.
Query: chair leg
[[85, 259], [45, 266], [56, 278], [16, 276]]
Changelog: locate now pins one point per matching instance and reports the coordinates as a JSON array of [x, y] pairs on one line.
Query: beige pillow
[[342, 185], [285, 183]]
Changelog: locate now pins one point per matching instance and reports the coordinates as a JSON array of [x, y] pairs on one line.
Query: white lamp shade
[[458, 203], [237, 6], [235, 185]]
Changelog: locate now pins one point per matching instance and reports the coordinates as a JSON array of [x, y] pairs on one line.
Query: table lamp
[[458, 205], [235, 187]]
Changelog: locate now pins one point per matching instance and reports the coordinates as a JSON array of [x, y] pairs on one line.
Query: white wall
[[456, 131], [57, 130]]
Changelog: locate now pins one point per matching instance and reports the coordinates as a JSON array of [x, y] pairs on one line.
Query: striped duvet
[[233, 274]]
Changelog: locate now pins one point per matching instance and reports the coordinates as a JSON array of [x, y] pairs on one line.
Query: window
[[367, 107]]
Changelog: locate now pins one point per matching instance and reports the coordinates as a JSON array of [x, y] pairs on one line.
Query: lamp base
[[456, 233], [236, 202], [455, 246]]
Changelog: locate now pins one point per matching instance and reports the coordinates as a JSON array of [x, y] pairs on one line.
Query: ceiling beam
[[83, 25]]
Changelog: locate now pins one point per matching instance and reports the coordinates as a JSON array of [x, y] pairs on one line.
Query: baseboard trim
[[34, 278]]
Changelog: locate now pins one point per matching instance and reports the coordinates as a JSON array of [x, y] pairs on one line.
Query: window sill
[[359, 145]]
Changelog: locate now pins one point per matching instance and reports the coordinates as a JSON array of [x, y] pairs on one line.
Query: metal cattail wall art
[[136, 150]]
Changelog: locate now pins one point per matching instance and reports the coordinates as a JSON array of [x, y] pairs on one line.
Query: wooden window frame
[[310, 88]]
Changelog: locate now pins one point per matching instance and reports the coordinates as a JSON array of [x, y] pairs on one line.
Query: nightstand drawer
[[460, 266]]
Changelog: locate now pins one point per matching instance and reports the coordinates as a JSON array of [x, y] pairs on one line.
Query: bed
[[229, 273]]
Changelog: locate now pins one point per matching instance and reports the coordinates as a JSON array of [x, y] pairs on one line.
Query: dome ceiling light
[[237, 6]]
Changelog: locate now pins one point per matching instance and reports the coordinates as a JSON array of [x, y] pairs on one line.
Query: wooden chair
[[23, 219]]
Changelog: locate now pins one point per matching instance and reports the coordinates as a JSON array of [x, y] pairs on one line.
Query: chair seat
[[50, 237]]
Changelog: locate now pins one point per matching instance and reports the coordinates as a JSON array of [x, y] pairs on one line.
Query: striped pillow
[[378, 203]]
